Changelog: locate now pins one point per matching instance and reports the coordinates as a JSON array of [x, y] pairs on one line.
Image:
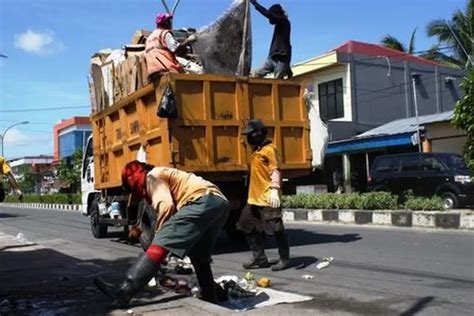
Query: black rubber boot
[[259, 259], [136, 278], [283, 251], [205, 280]]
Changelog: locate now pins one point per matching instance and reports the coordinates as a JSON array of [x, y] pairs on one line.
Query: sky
[[49, 43]]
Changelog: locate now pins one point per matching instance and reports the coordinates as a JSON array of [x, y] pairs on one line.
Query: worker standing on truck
[[279, 57], [161, 46], [190, 214], [263, 211], [6, 171]]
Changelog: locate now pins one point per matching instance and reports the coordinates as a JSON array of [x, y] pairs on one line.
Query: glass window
[[430, 164], [331, 101], [385, 165], [410, 163], [454, 162]]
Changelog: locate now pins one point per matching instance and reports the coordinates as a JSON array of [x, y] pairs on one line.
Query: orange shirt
[[170, 189], [263, 162]]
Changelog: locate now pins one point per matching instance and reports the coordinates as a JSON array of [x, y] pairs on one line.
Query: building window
[[331, 104]]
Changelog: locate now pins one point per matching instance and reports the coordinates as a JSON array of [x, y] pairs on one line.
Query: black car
[[426, 174]]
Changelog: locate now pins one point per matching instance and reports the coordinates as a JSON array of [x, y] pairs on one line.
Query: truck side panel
[[206, 137]]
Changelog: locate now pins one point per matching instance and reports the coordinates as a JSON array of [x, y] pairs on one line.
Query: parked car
[[426, 174]]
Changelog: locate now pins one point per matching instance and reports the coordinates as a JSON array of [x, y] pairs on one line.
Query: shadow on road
[[7, 215], [42, 281], [296, 237], [418, 306]]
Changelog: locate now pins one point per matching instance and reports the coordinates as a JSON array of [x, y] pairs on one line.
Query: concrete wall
[[382, 90], [443, 137]]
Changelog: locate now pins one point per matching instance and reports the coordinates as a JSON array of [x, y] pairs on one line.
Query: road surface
[[376, 271]]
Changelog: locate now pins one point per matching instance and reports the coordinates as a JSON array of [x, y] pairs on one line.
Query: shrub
[[378, 201], [424, 204], [59, 198]]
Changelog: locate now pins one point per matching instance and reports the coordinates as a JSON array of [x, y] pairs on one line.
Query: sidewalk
[[40, 280], [455, 219]]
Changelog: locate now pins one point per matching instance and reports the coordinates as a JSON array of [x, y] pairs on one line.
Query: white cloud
[[39, 43], [15, 137]]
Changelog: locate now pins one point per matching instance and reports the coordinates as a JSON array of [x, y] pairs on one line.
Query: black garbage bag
[[167, 107]]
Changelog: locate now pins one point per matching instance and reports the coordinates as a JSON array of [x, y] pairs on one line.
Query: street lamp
[[6, 130]]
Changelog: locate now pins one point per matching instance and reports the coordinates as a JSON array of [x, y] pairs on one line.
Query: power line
[[45, 109], [395, 54]]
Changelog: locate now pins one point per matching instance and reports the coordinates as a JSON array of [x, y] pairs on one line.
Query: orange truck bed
[[206, 137]]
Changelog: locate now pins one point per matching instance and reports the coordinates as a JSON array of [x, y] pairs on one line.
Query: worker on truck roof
[[263, 211], [190, 214], [6, 171], [279, 57], [161, 46]]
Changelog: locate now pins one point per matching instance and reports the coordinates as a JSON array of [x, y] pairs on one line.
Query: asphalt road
[[376, 271]]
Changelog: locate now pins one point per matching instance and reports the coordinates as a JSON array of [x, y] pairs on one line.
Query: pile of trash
[[223, 48]]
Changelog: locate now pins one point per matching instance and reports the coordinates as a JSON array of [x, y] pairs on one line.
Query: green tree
[[464, 116], [392, 42], [457, 33], [70, 172], [27, 183]]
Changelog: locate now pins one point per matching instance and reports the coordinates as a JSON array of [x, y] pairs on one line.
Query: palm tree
[[458, 34], [392, 42]]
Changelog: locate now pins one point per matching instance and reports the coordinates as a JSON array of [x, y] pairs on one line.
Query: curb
[[462, 219], [59, 207]]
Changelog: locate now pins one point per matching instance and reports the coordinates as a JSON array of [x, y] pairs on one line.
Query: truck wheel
[[147, 218], [450, 200], [98, 230]]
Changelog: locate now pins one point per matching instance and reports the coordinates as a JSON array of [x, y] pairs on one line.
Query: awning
[[370, 143]]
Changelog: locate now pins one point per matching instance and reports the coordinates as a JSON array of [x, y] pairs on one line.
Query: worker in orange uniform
[[6, 171], [263, 211], [190, 214], [161, 46]]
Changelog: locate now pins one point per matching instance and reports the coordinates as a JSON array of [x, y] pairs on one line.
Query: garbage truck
[[203, 136]]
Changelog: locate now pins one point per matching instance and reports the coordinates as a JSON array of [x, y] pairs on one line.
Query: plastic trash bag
[[167, 107]]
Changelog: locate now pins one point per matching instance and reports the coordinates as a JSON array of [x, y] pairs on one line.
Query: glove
[[274, 199], [20, 194]]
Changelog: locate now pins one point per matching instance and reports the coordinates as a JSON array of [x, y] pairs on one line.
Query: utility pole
[[415, 79]]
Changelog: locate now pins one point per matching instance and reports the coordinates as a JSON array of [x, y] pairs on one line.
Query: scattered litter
[[325, 263], [21, 238], [249, 276], [226, 278], [4, 303], [152, 282], [235, 291], [264, 282], [307, 276], [195, 291]]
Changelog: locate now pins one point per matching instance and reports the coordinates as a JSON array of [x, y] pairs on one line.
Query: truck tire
[[147, 218], [450, 200], [98, 230]]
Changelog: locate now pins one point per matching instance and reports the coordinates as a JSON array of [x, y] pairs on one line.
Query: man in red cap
[[161, 46], [190, 214]]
